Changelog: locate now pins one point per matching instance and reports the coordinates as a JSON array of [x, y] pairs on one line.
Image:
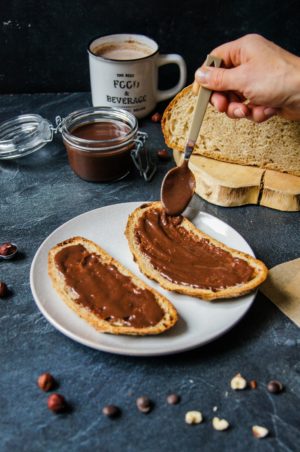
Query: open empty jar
[[102, 143]]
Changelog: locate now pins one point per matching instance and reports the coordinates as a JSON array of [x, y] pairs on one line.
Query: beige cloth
[[283, 288]]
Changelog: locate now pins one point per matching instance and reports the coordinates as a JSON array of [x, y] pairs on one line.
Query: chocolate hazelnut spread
[[186, 259], [104, 290], [177, 189], [92, 160], [101, 131]]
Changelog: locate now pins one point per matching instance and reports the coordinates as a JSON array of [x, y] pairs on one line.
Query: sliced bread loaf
[[273, 144], [183, 259], [97, 274]]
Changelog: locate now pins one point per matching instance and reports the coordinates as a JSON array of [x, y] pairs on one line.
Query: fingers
[[258, 113], [231, 104], [230, 52], [220, 102], [220, 79], [237, 110], [237, 52]]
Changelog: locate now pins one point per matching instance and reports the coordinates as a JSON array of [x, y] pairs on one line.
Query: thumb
[[219, 79]]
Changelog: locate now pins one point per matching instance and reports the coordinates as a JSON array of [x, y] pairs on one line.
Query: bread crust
[[272, 144], [170, 314], [260, 270]]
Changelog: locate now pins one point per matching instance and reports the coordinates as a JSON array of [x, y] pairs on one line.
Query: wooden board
[[229, 184]]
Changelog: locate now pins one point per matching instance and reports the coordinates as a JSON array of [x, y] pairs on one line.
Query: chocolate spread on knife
[[183, 258], [105, 291]]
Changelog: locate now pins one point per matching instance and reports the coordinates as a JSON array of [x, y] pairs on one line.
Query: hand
[[256, 70]]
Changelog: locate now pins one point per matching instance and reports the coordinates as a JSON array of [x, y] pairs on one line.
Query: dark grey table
[[39, 193]]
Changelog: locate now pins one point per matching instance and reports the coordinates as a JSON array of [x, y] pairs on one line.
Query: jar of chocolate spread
[[103, 143]]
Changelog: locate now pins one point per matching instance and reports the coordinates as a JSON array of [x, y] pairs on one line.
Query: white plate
[[200, 321]]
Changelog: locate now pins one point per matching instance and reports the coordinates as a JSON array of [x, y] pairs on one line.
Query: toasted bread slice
[[113, 326], [258, 275], [272, 144]]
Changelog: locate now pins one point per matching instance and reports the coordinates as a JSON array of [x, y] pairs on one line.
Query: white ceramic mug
[[124, 73]]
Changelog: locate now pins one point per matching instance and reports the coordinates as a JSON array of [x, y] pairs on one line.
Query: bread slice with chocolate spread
[[183, 259], [82, 273]]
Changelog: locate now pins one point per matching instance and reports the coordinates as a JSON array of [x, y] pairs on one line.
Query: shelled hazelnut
[[259, 432]]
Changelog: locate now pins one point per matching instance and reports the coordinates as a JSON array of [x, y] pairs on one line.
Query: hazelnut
[[144, 404], [111, 411], [156, 117], [220, 424], [7, 248], [275, 386], [46, 382], [163, 154], [193, 417], [57, 403], [173, 399], [259, 432], [253, 384], [3, 289], [238, 382]]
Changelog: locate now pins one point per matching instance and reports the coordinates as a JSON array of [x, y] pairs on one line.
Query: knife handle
[[201, 103]]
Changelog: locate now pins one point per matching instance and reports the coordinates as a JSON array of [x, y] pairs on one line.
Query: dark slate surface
[[39, 193]]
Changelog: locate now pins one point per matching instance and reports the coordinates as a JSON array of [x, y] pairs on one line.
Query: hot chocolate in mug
[[124, 73]]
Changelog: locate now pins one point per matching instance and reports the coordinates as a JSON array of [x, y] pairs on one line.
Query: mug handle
[[167, 59]]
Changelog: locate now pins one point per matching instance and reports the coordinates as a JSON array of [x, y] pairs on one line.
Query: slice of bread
[[144, 261], [273, 144], [117, 326]]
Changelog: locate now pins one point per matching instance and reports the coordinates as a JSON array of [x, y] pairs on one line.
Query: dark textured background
[[43, 43], [43, 48]]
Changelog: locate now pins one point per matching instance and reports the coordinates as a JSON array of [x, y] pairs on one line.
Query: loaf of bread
[[145, 263], [273, 144], [110, 325]]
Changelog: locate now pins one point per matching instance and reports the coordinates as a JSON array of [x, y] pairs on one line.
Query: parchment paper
[[282, 287]]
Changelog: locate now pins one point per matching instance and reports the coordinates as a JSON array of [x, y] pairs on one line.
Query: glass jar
[[99, 142], [102, 143]]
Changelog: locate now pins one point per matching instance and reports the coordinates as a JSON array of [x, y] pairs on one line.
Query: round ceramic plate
[[200, 321]]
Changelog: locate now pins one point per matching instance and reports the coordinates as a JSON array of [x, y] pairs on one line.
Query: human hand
[[256, 70]]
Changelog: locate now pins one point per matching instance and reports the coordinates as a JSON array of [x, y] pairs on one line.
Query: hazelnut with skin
[[57, 403], [7, 248], [156, 117], [111, 411], [163, 154], [3, 289], [46, 382]]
